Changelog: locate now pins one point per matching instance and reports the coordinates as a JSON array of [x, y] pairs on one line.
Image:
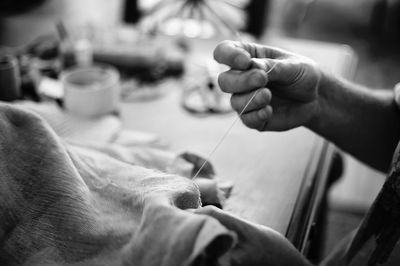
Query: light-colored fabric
[[76, 206], [145, 149], [68, 126], [149, 157]]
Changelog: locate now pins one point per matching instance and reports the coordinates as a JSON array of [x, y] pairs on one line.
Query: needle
[[229, 129]]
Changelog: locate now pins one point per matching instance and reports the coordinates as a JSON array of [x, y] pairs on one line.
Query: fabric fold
[[74, 206]]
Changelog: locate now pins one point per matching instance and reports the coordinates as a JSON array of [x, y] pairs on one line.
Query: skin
[[297, 92], [257, 245], [292, 91]]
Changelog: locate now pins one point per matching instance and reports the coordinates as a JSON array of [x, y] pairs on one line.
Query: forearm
[[363, 122]]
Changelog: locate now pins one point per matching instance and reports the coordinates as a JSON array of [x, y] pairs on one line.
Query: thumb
[[228, 220], [232, 54]]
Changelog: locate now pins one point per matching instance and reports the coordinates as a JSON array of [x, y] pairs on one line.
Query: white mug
[[91, 91]]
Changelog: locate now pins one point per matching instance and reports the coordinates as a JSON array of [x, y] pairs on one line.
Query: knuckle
[[210, 210]]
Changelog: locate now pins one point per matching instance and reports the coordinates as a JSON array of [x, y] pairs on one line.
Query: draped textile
[[75, 206]]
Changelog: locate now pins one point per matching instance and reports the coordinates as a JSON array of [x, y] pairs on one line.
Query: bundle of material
[[70, 205]]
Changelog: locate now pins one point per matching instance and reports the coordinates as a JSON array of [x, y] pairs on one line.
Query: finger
[[282, 71], [257, 119], [228, 220], [234, 81], [261, 99], [238, 54], [262, 71], [209, 191], [198, 161], [232, 54], [264, 51]]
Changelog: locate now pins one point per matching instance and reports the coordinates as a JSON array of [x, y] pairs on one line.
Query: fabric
[[69, 126], [76, 206], [145, 149], [186, 165], [376, 241]]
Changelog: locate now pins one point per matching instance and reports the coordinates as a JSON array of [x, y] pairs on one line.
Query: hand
[[207, 171], [287, 96], [257, 245]]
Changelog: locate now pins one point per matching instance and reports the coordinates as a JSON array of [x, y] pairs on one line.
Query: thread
[[229, 128]]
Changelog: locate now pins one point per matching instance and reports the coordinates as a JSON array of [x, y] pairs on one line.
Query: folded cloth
[[134, 147], [76, 206], [104, 129], [211, 191], [69, 126]]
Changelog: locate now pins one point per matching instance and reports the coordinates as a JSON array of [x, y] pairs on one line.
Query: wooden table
[[279, 178]]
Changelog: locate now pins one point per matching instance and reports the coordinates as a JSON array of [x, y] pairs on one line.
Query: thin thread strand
[[229, 129]]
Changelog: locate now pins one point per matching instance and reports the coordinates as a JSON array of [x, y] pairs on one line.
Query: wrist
[[325, 89]]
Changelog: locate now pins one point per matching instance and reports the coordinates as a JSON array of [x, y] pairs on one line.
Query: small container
[[91, 91], [10, 79]]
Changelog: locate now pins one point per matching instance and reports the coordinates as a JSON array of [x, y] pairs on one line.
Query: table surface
[[269, 170]]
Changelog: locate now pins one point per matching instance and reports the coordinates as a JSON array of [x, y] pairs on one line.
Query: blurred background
[[370, 27]]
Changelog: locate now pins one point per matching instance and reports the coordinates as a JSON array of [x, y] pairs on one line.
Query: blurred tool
[[147, 62], [10, 80], [146, 57]]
